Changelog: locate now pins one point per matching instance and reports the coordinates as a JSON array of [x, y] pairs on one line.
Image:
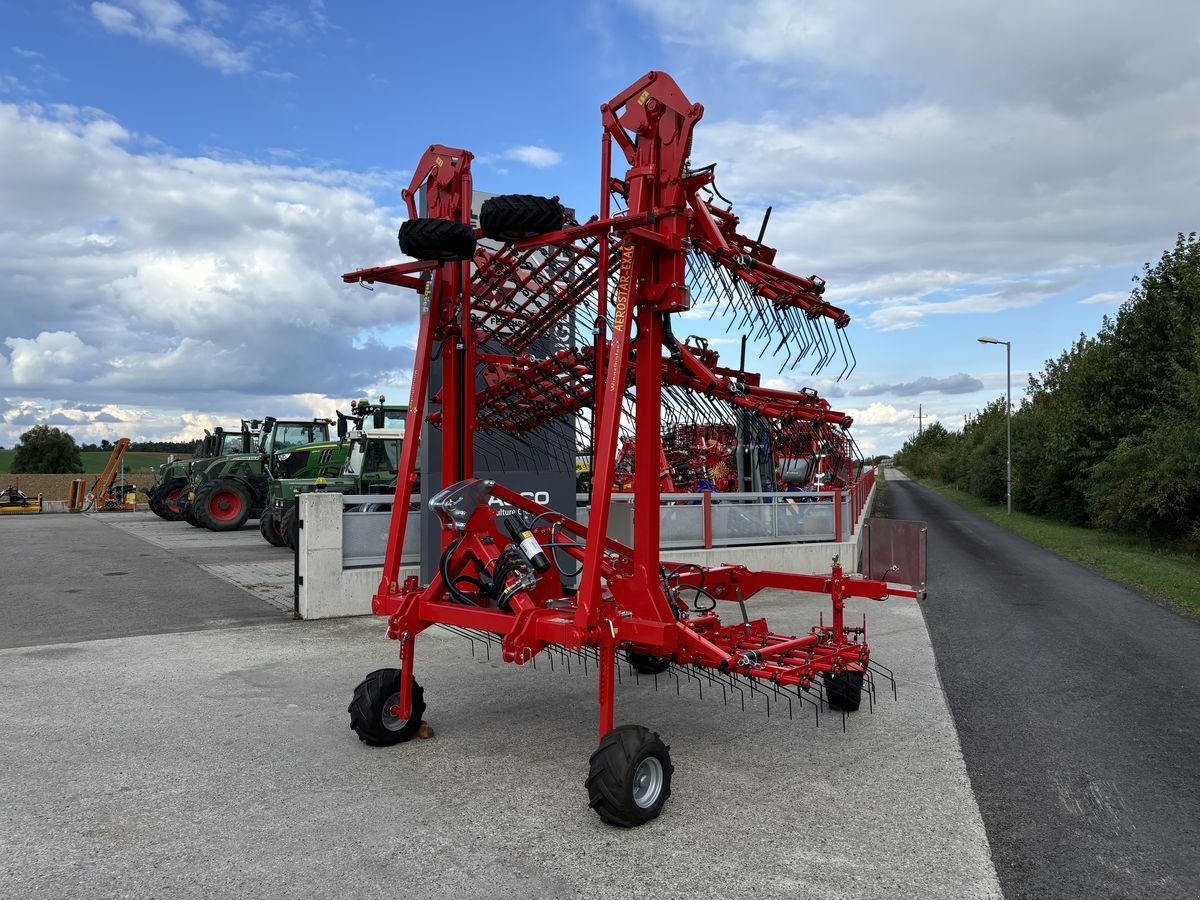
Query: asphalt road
[[1077, 703]]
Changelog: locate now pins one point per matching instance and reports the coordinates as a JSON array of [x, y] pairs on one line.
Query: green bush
[[43, 450]]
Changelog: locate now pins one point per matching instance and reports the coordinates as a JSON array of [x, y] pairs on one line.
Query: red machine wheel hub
[[225, 506]]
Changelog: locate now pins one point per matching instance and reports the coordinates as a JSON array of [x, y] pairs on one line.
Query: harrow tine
[[802, 693], [849, 349], [886, 673]]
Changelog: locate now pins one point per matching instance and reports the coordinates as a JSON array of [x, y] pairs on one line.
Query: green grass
[[1171, 575], [94, 460]]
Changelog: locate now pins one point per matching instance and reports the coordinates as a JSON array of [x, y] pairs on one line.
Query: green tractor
[[371, 468], [287, 473], [228, 490], [173, 474]]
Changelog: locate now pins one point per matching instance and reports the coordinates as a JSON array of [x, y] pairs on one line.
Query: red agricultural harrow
[[501, 308]]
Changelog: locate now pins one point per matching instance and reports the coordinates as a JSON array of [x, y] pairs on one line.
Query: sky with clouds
[[183, 181]]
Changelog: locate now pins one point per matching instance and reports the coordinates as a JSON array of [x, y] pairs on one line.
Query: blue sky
[[182, 181]]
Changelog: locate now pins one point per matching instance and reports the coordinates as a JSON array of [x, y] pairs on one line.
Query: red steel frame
[[627, 597]]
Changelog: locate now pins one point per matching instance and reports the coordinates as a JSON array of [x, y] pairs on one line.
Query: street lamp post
[[1008, 354]]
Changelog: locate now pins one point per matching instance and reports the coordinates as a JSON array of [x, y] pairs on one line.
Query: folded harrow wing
[[600, 295]]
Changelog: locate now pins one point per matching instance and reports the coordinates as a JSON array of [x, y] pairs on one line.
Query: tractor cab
[[227, 443], [371, 468], [375, 459], [375, 416], [280, 433]]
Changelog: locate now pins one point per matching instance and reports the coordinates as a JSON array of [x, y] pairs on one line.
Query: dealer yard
[[168, 733]]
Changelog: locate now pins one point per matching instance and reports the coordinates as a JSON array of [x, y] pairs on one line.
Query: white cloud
[[168, 283], [167, 22], [51, 358], [880, 414], [1106, 298], [894, 315], [915, 150], [533, 155]]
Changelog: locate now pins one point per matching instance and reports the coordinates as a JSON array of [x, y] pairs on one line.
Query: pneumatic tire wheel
[[645, 664], [191, 511], [630, 776], [440, 239], [289, 527], [226, 506], [513, 217], [269, 528], [154, 499], [373, 710], [843, 691], [169, 499]]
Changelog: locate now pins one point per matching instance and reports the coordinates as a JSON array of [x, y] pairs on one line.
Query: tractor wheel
[[372, 713], [440, 239], [645, 664], [168, 500], [154, 500], [191, 511], [226, 507], [843, 691], [511, 217], [289, 528], [268, 527], [630, 776]]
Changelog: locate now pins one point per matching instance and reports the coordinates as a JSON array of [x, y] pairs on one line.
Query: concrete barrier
[[327, 590]]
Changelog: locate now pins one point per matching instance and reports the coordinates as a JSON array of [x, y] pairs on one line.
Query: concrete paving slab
[[180, 535], [272, 581], [221, 763]]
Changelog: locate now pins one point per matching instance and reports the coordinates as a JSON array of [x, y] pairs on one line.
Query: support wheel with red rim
[[226, 506]]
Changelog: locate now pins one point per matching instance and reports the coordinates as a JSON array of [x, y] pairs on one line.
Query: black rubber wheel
[[289, 527], [269, 528], [645, 664], [630, 776], [154, 500], [843, 691], [190, 509], [512, 217], [371, 715], [170, 496], [227, 505], [440, 239]]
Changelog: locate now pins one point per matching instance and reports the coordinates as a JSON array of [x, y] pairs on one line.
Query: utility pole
[[920, 420]]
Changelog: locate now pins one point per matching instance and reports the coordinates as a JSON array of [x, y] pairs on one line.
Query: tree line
[[44, 449], [1108, 435]]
